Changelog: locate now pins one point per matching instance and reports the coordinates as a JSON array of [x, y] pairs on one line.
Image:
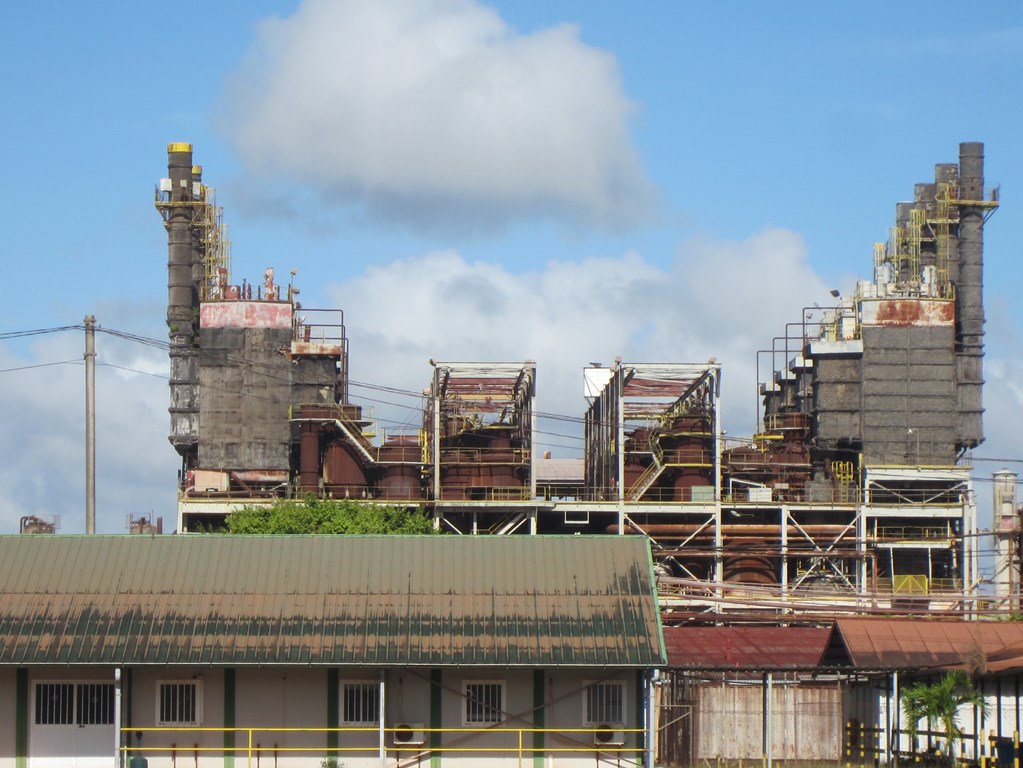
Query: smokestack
[[179, 238], [970, 295], [198, 247], [182, 300]]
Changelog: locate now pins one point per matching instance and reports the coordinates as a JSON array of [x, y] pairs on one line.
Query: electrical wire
[[39, 332], [272, 373], [39, 365]]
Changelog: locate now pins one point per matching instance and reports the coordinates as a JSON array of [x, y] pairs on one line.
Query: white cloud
[[720, 299], [1003, 402], [438, 115]]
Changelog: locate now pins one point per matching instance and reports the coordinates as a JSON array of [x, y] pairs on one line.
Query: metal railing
[[256, 744], [918, 584]]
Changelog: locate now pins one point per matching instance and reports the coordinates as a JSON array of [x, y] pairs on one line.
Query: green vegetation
[[939, 702], [330, 516]]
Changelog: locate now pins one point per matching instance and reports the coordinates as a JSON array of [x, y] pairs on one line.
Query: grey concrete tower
[[176, 205], [970, 297]]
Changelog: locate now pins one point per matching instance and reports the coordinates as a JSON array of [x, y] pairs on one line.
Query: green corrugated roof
[[333, 600]]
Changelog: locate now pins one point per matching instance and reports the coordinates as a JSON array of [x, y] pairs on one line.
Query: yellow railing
[[251, 744], [932, 533], [484, 456], [452, 492], [918, 584]]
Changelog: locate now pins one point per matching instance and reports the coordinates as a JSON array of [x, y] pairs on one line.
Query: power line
[[39, 331], [272, 374], [135, 370], [40, 365]]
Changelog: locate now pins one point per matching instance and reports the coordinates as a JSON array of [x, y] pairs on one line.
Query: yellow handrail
[[573, 741]]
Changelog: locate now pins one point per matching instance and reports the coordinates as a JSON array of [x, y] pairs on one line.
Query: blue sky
[[561, 181]]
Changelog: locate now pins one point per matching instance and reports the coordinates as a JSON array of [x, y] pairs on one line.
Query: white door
[[72, 724]]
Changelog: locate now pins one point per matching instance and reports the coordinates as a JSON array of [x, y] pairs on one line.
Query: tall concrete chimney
[[182, 302], [970, 297]]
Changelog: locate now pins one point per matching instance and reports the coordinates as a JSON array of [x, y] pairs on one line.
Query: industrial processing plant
[[854, 489]]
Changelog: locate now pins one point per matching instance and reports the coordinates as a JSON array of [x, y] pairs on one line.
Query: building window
[[604, 704], [74, 704], [179, 702], [484, 702], [55, 703], [360, 702], [94, 704]]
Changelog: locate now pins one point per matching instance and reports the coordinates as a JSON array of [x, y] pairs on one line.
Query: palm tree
[[940, 702]]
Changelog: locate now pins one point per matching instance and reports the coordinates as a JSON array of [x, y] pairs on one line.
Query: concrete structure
[[1008, 533]]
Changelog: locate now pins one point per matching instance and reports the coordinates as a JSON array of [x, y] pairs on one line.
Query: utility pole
[[90, 424]]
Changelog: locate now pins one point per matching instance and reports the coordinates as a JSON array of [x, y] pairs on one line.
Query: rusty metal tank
[[343, 475], [637, 458], [688, 446], [309, 457], [401, 459], [458, 473], [746, 562], [500, 459]]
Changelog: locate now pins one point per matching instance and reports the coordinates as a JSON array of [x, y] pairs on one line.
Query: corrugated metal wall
[[806, 721]]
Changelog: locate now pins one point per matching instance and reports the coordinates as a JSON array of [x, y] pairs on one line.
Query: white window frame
[[197, 701], [593, 685], [73, 709], [502, 688], [368, 685], [55, 712]]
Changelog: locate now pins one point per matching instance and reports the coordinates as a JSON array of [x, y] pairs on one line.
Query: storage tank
[[746, 563], [401, 459]]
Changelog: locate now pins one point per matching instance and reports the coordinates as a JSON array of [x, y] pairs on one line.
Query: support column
[[333, 712], [382, 718], [21, 719], [118, 755], [539, 716], [784, 554], [436, 715], [230, 717], [90, 424]]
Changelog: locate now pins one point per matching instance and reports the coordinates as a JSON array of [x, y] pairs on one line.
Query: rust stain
[[745, 647], [315, 348], [913, 312], [245, 314]]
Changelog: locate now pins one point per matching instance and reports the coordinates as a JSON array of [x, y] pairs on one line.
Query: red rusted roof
[[977, 646], [749, 648]]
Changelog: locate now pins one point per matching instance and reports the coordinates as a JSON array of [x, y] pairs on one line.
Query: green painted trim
[[640, 718], [230, 717], [126, 698], [21, 720], [539, 716], [652, 575], [333, 712], [126, 720], [436, 715]]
